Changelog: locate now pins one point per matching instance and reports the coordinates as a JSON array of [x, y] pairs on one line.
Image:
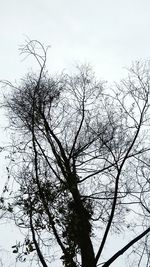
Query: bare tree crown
[[83, 160]]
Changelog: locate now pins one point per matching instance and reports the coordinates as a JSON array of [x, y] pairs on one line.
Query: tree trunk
[[87, 253], [84, 231]]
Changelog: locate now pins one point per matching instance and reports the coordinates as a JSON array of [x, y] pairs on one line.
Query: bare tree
[[81, 161]]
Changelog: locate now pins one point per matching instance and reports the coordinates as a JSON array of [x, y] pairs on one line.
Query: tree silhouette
[[80, 160]]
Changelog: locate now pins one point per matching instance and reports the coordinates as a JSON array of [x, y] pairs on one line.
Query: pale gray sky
[[108, 34]]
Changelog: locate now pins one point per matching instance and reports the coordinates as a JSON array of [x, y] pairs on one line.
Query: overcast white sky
[[109, 34]]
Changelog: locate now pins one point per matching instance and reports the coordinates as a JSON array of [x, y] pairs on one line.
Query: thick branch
[[40, 255], [125, 248]]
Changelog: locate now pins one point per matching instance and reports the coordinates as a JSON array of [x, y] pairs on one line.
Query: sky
[[108, 34]]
